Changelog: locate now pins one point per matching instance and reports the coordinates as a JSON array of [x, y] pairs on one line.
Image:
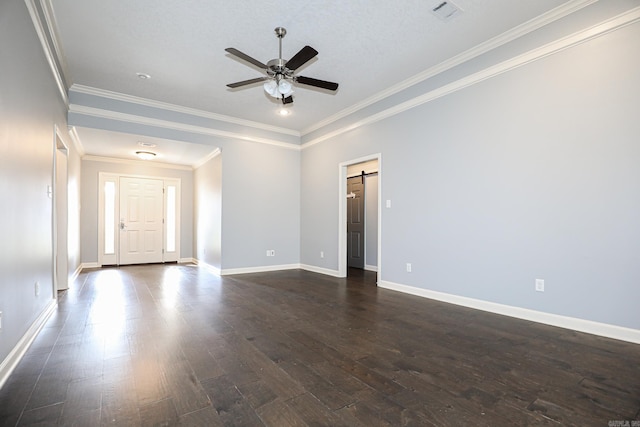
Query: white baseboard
[[75, 274], [86, 265], [258, 269], [187, 261], [265, 268], [11, 361], [321, 270], [581, 325], [371, 268], [210, 268]]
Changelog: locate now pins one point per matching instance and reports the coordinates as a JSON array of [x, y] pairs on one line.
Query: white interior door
[[141, 220]]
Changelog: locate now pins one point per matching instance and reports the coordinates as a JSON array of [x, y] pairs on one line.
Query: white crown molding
[[41, 32], [52, 30], [215, 153], [567, 42], [588, 326], [87, 90], [148, 121], [149, 163], [506, 37]]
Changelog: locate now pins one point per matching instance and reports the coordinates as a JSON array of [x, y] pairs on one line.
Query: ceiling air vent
[[446, 10]]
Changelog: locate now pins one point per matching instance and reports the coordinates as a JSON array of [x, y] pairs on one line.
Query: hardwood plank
[[279, 414], [231, 406], [119, 403], [161, 413], [83, 419], [185, 389], [323, 390], [258, 393], [202, 417], [313, 412], [43, 416]]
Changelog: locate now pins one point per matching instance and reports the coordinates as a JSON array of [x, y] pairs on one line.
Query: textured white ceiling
[[364, 45]]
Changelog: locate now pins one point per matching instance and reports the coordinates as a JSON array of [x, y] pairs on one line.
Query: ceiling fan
[[280, 72]]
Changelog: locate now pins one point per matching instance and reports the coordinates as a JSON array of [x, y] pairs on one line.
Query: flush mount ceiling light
[[145, 155], [280, 72], [143, 76], [284, 112]]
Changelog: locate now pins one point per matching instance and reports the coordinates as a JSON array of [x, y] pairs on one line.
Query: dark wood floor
[[173, 344]]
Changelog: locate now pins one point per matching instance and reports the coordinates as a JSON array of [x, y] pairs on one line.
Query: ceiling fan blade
[[317, 83], [302, 57], [246, 57], [287, 100], [246, 82]]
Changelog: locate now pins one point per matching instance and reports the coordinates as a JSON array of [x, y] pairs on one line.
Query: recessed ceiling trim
[[87, 90], [148, 121], [605, 27], [136, 162], [506, 37], [215, 153]]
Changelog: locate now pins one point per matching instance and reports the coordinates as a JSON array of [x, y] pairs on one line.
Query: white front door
[[141, 220]]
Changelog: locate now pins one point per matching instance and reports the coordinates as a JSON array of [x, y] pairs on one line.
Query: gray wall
[[30, 106], [89, 195], [530, 174], [261, 205], [208, 212]]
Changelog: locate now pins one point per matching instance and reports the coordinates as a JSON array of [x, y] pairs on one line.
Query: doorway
[[138, 221], [359, 233], [61, 221]]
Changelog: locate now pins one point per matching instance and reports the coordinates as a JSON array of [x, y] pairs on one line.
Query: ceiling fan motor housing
[[278, 67]]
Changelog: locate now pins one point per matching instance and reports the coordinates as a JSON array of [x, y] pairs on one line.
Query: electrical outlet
[[37, 288], [268, 252], [321, 254], [273, 252], [388, 204], [539, 285], [408, 267]]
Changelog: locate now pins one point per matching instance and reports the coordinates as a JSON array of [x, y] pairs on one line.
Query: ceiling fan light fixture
[[284, 87], [271, 87], [146, 155]]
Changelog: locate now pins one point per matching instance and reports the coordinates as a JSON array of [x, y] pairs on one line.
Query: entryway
[[138, 220], [359, 216]]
